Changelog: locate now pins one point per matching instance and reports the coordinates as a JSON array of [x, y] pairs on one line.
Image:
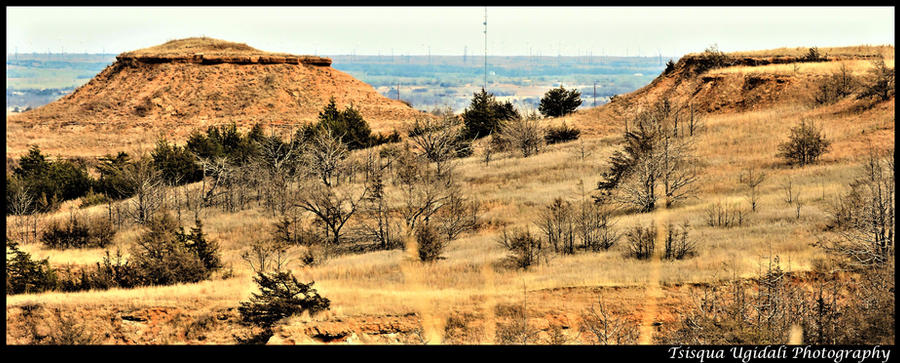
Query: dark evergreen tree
[[25, 275], [177, 164], [112, 181], [484, 115], [559, 102]]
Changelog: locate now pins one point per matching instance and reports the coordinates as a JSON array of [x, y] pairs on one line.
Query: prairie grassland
[[886, 51], [512, 190], [856, 67]]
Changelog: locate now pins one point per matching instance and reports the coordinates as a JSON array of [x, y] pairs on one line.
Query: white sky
[[448, 30]]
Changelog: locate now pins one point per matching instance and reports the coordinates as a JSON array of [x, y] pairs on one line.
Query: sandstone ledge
[[219, 59]]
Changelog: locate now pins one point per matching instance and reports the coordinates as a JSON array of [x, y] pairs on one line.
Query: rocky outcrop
[[200, 58]]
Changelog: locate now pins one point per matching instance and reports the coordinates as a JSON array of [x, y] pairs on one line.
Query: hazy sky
[[449, 30]]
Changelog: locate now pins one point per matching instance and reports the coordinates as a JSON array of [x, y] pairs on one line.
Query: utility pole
[[398, 91], [485, 48], [465, 53], [595, 94]]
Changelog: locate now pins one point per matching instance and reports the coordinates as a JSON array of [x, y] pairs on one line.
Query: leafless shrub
[[606, 327], [724, 215], [759, 311], [805, 144], [516, 329], [291, 231], [752, 178], [78, 231], [557, 222], [641, 241], [798, 204], [460, 330], [524, 135], [594, 226], [68, 331], [266, 256], [788, 189], [525, 249], [678, 245], [880, 82], [835, 87]]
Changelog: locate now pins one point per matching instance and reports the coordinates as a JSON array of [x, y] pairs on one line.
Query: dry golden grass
[[207, 46], [886, 51], [856, 67]]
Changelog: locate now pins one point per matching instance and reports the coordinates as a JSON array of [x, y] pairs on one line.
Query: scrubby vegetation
[[561, 133], [805, 145], [78, 232]]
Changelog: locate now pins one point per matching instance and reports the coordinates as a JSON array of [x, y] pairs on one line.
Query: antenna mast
[[485, 47]]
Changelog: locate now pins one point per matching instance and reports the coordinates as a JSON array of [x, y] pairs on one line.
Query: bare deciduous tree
[[217, 174], [652, 156], [458, 215], [437, 139], [380, 224], [423, 191], [275, 168], [866, 236], [325, 156], [752, 178], [148, 187], [332, 206]]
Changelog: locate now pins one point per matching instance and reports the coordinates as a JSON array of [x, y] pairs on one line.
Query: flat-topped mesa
[[200, 58], [214, 51]]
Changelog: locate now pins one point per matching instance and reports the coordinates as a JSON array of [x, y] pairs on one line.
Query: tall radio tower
[[485, 47]]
